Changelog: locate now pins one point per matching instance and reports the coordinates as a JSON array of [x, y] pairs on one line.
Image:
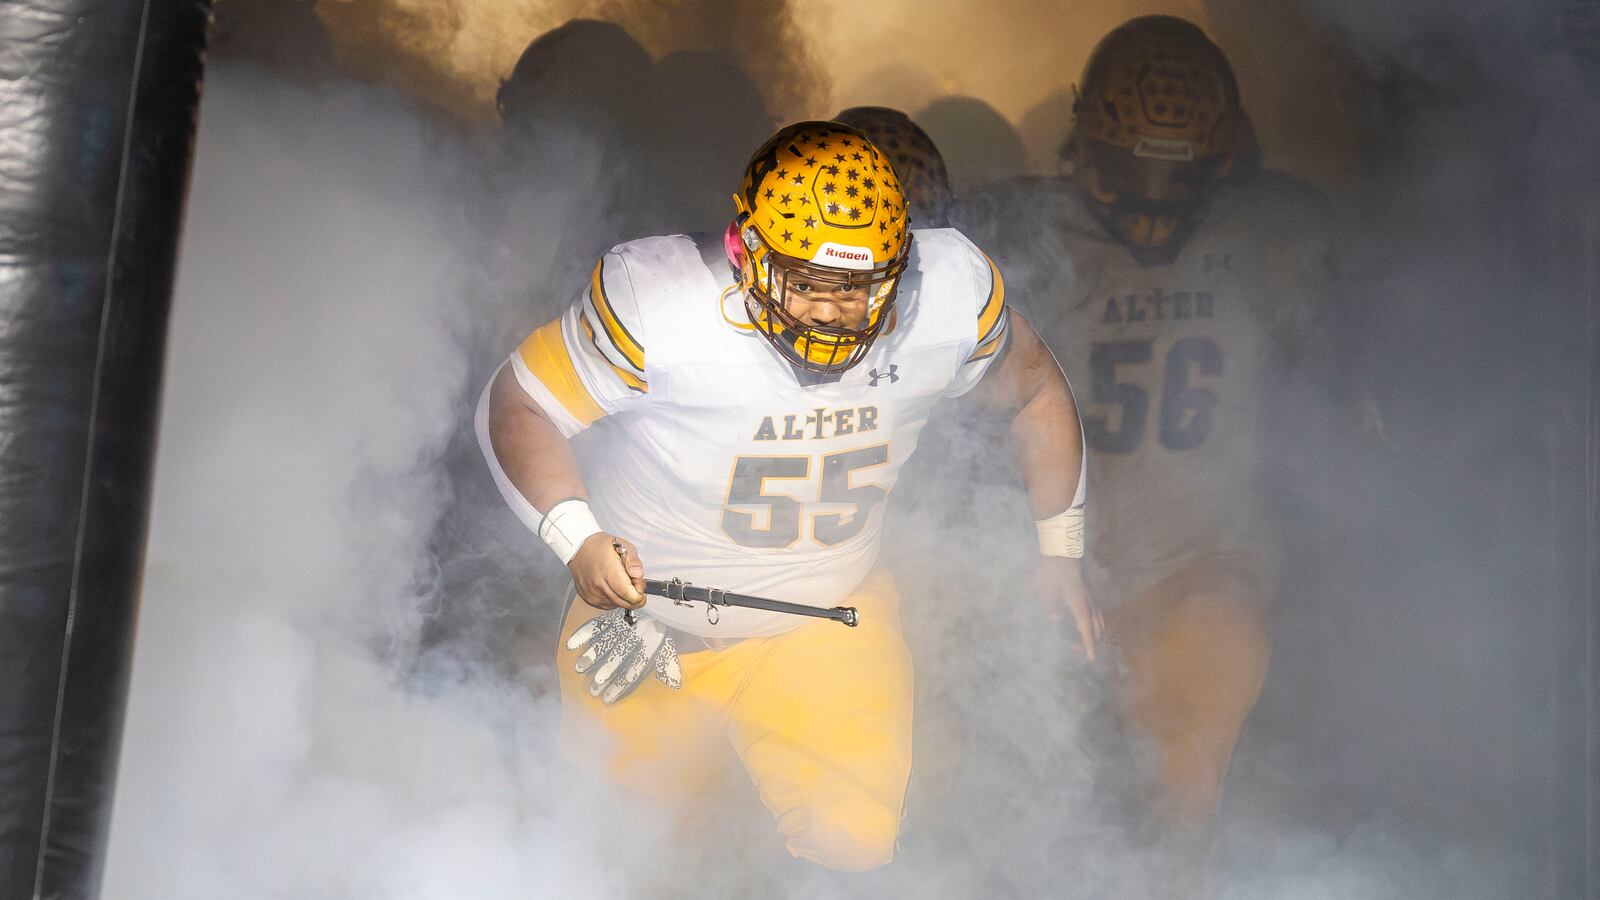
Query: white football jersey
[[709, 452], [1172, 363]]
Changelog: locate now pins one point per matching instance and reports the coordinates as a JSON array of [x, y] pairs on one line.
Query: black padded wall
[[97, 107]]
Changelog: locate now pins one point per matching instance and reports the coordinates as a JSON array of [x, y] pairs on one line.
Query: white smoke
[[274, 746]]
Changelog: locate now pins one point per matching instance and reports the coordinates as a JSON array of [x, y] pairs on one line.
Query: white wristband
[[1062, 535], [566, 526]]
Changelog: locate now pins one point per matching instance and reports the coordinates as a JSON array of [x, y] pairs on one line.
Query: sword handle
[[622, 553]]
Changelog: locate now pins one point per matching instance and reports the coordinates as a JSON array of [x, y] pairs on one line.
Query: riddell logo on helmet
[[843, 256], [1171, 151]]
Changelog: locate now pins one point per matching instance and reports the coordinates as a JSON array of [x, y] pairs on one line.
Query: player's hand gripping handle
[[618, 647], [608, 573]]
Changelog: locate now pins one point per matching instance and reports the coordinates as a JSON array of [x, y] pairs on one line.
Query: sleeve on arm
[[992, 327], [589, 362]]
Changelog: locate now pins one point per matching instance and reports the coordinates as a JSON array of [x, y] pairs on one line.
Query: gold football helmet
[[820, 210], [1158, 123]]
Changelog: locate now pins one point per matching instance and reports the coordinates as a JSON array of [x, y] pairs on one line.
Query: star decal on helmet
[[903, 151]]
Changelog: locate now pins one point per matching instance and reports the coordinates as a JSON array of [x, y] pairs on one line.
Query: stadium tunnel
[[99, 107]]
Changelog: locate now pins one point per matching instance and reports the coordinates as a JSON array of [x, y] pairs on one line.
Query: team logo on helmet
[[821, 207], [1171, 151]]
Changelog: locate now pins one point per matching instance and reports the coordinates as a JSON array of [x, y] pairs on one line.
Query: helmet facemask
[[769, 276], [1152, 206]]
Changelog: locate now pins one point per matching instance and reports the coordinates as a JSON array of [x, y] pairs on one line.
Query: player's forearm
[[1030, 387], [535, 456], [1049, 448]]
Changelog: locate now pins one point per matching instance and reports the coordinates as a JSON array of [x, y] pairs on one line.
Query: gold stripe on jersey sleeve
[[615, 330], [633, 381], [545, 354], [991, 314], [993, 346]]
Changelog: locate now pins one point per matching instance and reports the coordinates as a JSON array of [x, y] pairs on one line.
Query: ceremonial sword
[[683, 593]]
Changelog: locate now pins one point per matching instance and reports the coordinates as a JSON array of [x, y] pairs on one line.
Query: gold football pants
[[820, 716]]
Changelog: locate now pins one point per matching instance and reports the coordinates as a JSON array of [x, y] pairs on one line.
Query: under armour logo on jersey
[[877, 376]]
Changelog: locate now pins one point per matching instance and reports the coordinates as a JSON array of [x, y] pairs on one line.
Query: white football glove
[[620, 652]]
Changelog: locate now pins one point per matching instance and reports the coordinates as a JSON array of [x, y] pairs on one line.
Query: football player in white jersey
[[741, 408], [1179, 284]]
